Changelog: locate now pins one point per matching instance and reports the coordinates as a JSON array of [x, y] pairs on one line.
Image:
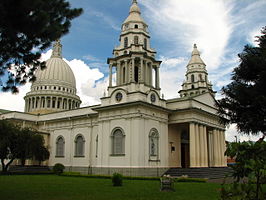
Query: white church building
[[134, 131]]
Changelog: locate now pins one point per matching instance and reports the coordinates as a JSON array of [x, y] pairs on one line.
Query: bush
[[117, 179], [58, 168]]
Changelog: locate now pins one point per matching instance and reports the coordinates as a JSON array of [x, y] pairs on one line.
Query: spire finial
[[195, 46], [134, 1], [57, 49]]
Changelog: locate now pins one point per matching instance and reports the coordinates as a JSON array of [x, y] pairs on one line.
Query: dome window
[[54, 88], [136, 26]]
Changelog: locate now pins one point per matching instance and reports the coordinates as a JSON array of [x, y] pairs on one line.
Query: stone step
[[210, 173], [31, 168]]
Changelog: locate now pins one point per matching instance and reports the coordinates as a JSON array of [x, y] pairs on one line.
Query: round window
[[153, 98], [118, 96]]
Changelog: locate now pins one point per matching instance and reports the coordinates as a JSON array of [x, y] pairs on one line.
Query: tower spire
[[57, 49], [134, 1]]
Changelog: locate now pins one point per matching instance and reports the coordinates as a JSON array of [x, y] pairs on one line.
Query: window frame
[[114, 142], [77, 153], [155, 137], [57, 154]]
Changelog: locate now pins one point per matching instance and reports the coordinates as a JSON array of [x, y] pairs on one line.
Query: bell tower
[[196, 77], [133, 66]]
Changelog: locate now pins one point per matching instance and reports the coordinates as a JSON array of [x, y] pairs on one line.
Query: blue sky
[[220, 28]]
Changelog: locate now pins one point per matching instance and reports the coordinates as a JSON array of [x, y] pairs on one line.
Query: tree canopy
[[20, 143], [245, 97], [27, 27]]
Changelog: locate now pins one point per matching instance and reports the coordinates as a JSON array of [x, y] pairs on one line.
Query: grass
[[52, 187]]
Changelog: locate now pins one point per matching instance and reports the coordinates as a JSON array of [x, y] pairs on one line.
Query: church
[[135, 130]]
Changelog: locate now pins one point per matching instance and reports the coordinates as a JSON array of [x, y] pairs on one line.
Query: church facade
[[134, 131]]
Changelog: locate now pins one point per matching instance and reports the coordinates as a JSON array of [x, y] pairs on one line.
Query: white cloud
[[107, 19], [89, 86], [206, 23]]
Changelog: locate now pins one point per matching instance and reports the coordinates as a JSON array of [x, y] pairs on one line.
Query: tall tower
[[136, 69], [196, 77]]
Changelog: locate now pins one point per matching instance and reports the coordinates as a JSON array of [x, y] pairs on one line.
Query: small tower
[[196, 77], [134, 59]]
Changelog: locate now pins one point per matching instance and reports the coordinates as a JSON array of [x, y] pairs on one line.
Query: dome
[[57, 71], [54, 88]]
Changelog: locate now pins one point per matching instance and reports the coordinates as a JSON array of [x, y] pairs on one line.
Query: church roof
[[195, 57], [134, 13]]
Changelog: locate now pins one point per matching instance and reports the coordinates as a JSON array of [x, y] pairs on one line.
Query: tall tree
[[245, 97], [27, 27], [8, 143], [20, 143]]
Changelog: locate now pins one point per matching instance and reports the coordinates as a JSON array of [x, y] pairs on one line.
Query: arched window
[[125, 42], [192, 87], [154, 143], [136, 26], [192, 78], [200, 77], [79, 146], [136, 40], [96, 150], [60, 147], [124, 74], [118, 142], [145, 43]]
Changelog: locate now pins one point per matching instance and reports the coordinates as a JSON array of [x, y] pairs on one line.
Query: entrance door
[[184, 155]]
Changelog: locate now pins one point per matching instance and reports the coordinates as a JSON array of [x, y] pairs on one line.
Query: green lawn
[[52, 187]]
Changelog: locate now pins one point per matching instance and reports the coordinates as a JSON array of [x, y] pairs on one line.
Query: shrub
[[117, 179], [58, 168]]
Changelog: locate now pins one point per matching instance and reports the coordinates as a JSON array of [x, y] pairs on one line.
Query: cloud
[[107, 19], [91, 58], [89, 85], [183, 22]]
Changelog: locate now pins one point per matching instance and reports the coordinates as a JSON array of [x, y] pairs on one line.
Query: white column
[[132, 77], [157, 77], [110, 75], [197, 145], [205, 147], [216, 148], [201, 146], [192, 145], [118, 74], [126, 72], [141, 71], [224, 161]]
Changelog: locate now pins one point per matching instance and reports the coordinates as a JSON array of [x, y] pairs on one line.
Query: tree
[[20, 143], [245, 97], [7, 143], [27, 27], [250, 164], [38, 151]]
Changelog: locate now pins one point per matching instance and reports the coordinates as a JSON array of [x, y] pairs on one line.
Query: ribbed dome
[[56, 71], [54, 88]]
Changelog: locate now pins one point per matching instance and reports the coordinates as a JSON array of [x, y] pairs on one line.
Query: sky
[[220, 28]]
